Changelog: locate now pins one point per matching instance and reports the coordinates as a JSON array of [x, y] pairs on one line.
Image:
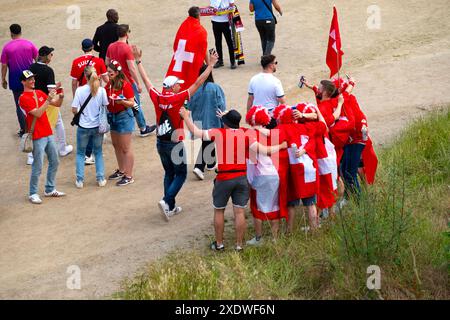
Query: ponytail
[[93, 80]]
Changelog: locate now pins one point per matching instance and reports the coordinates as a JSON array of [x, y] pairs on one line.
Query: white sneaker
[[79, 184], [342, 203], [164, 207], [67, 150], [30, 159], [255, 242], [89, 160], [35, 199], [199, 174], [55, 194], [175, 211], [101, 183]]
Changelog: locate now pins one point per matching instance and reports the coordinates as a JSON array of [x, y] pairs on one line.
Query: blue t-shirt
[[261, 11]]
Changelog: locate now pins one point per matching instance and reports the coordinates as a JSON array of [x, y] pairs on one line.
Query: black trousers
[[266, 29], [220, 28], [206, 156]]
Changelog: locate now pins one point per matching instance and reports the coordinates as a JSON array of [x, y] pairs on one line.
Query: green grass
[[399, 225]]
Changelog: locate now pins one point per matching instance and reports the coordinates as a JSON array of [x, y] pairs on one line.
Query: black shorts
[[236, 188]]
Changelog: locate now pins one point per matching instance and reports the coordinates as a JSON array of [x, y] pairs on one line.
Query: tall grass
[[400, 225]]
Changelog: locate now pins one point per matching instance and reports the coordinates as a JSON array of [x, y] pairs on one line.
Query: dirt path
[[401, 70]]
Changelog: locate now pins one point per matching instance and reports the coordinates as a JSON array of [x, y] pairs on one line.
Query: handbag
[[26, 141], [76, 118], [104, 126], [271, 11]]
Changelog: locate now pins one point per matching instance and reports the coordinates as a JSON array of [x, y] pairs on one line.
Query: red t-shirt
[[27, 103], [171, 103], [121, 52], [127, 92], [80, 63], [231, 151]]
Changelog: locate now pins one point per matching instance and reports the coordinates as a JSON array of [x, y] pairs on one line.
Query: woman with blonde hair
[[121, 118], [88, 101]]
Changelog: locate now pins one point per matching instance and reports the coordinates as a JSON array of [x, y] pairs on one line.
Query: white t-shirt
[[221, 4], [266, 90], [90, 116]]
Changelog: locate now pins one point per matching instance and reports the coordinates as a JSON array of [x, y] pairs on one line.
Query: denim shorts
[[122, 122], [306, 202]]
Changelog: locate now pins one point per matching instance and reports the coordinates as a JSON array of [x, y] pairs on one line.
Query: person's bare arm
[[190, 125], [105, 78], [126, 103], [337, 112], [138, 56], [308, 116], [4, 72], [277, 7], [250, 100], [351, 85], [134, 74], [74, 86], [213, 58], [52, 99], [267, 150]]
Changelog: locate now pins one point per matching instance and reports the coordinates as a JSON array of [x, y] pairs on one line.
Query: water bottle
[[365, 133], [294, 149]]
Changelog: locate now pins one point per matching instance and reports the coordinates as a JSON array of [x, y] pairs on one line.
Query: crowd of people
[[305, 154]]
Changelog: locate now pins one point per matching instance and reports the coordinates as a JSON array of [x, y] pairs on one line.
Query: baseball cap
[[87, 44], [45, 51], [170, 81], [26, 74]]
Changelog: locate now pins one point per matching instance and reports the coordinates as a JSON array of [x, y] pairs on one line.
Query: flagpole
[[337, 56]]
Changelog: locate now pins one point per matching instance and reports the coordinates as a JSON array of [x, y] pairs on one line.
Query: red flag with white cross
[[190, 45], [334, 53]]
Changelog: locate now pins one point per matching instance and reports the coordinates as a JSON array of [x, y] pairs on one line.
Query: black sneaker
[[124, 181], [116, 175], [233, 66], [218, 64], [148, 131], [217, 248]]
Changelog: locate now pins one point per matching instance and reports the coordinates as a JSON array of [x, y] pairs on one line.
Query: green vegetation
[[399, 225]]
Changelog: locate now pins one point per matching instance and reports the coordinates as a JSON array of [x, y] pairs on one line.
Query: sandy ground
[[401, 70]]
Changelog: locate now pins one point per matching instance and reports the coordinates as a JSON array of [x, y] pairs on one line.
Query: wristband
[[138, 62], [351, 83]]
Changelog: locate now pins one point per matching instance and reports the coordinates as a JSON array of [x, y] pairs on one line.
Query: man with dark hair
[[221, 25], [106, 33], [122, 53], [194, 12], [264, 88], [45, 76], [17, 56]]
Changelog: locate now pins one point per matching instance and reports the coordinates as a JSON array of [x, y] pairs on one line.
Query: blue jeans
[[89, 148], [84, 136], [20, 115], [140, 119], [349, 168], [173, 160], [40, 147]]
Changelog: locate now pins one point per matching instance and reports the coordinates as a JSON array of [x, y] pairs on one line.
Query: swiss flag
[[334, 53], [189, 50]]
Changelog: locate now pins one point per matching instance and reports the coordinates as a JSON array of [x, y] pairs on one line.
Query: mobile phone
[[300, 84]]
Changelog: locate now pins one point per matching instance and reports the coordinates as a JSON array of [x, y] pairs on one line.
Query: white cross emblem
[[333, 36], [181, 56], [329, 165]]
